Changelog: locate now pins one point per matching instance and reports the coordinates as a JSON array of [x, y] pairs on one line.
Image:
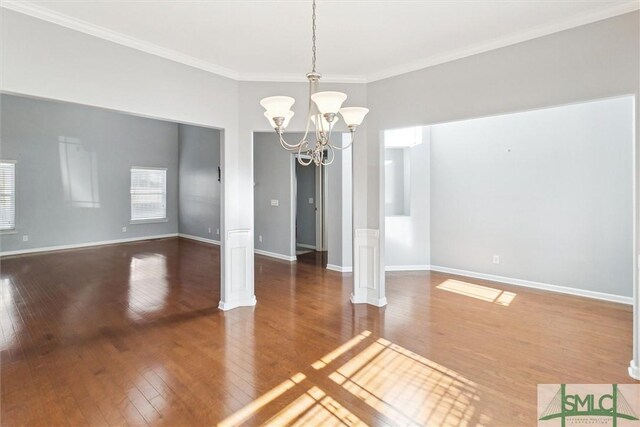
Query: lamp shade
[[277, 106], [287, 118], [329, 102], [325, 124], [353, 116]]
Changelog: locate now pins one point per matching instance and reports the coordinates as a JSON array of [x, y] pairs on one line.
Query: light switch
[[310, 200], [274, 203]]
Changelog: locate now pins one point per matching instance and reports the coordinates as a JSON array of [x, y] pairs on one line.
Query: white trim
[[301, 78], [535, 285], [540, 31], [339, 268], [147, 221], [275, 255], [302, 245], [424, 267], [85, 245], [199, 239], [634, 371], [48, 15], [230, 305]]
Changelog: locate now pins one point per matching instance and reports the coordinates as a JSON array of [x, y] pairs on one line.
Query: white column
[[236, 251], [634, 366], [368, 252]]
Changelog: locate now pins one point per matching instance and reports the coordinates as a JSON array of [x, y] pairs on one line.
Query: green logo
[[586, 402]]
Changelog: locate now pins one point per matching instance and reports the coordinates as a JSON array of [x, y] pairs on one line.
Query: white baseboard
[[536, 285], [302, 245], [275, 255], [339, 268], [407, 268], [387, 268], [85, 245], [200, 239]]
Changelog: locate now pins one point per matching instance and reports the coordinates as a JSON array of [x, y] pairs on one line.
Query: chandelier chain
[[313, 37]]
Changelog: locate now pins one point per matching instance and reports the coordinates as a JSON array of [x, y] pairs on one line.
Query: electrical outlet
[[310, 200], [259, 238], [124, 229], [275, 202], [209, 230], [25, 237], [218, 231], [496, 259]]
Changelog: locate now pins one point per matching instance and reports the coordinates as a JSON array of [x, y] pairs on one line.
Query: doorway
[[310, 213]]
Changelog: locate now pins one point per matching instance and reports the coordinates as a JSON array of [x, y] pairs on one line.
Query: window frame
[[15, 198], [149, 220]]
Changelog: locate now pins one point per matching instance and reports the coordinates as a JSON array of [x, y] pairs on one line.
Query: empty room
[[319, 213]]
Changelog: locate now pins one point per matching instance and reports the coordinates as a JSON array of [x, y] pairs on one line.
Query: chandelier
[[322, 114]]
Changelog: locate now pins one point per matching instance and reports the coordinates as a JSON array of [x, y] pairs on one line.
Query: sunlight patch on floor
[[315, 408], [252, 408], [325, 360], [483, 293], [409, 389], [383, 380]]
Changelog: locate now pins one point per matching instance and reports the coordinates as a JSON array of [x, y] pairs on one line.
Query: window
[[399, 145], [148, 194], [7, 195]]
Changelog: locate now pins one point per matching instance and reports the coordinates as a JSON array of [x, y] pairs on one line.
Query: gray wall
[[549, 191], [199, 188], [585, 63], [338, 206], [273, 180], [106, 146], [305, 211]]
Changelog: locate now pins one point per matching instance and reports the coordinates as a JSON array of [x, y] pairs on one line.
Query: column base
[[230, 305], [381, 302], [357, 299]]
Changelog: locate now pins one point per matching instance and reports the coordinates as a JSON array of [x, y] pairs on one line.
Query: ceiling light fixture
[[323, 114]]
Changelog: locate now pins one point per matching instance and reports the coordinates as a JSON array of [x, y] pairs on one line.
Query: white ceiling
[[358, 40]]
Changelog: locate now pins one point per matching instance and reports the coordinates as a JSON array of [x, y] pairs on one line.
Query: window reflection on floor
[[148, 284], [483, 293], [383, 381]]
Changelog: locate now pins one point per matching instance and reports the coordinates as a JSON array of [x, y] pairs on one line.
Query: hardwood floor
[[131, 335]]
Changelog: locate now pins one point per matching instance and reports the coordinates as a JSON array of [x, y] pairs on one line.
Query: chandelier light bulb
[[353, 116], [277, 106], [329, 102]]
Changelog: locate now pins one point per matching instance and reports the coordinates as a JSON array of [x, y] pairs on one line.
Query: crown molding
[[541, 31], [300, 78], [28, 8], [39, 12]]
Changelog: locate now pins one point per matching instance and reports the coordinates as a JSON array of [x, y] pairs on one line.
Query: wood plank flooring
[[131, 335]]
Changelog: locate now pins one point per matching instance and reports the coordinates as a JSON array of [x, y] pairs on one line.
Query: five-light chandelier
[[323, 113]]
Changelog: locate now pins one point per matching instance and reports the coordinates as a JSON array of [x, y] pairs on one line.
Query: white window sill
[[148, 221], [8, 232]]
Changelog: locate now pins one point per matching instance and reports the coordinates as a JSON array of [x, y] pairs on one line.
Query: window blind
[[148, 194], [7, 196]]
